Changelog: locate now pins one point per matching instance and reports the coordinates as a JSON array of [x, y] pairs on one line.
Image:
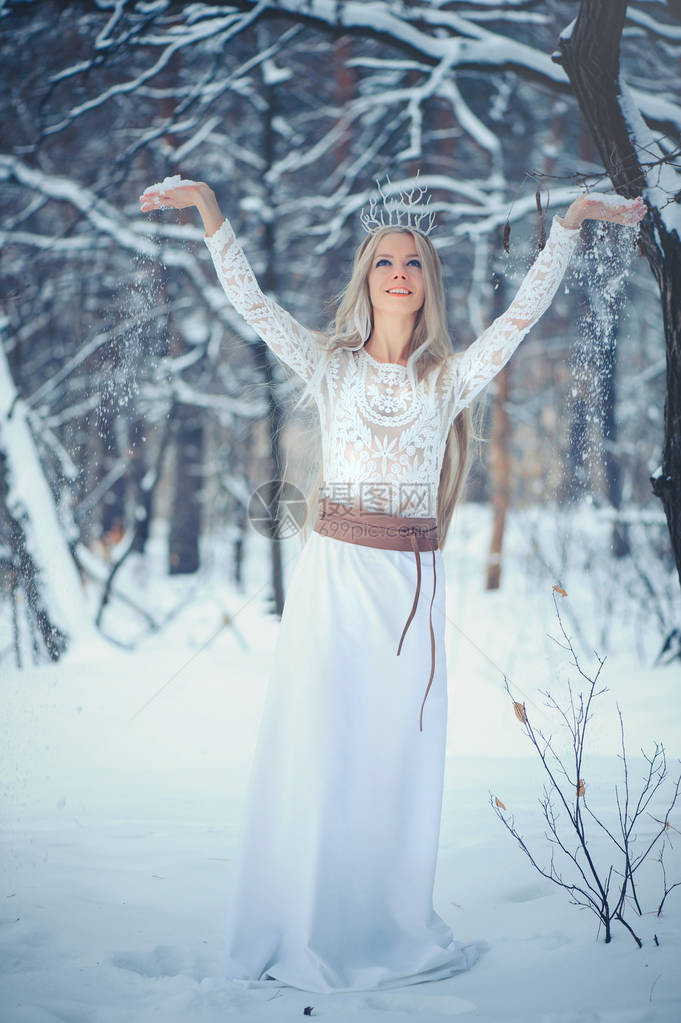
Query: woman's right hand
[[183, 195]]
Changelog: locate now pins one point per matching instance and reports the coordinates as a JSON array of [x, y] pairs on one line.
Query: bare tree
[[242, 96], [638, 162], [608, 889]]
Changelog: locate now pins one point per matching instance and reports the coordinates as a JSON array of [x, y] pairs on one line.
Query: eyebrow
[[389, 255]]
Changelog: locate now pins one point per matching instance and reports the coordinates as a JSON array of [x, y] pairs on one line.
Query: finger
[[155, 204], [157, 200], [155, 196], [629, 211]]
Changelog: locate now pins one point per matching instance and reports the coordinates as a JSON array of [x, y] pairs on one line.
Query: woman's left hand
[[615, 208]]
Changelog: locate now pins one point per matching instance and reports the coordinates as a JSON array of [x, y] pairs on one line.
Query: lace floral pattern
[[383, 443], [387, 402], [482, 360], [290, 341]]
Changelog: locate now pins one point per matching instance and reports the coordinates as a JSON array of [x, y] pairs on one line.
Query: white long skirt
[[333, 881]]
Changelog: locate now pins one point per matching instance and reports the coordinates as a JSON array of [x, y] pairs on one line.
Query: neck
[[389, 340]]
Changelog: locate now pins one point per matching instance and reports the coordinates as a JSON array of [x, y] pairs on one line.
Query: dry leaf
[[542, 229], [507, 236], [666, 825], [580, 787], [519, 709], [562, 592], [499, 803]]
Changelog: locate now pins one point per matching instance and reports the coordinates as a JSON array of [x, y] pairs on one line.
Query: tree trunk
[[142, 496], [241, 526], [500, 476], [574, 483], [500, 456], [611, 464], [104, 452], [185, 518], [188, 441], [40, 553], [602, 327], [590, 55], [263, 359]]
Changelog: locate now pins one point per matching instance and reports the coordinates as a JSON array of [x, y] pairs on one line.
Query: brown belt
[[387, 533]]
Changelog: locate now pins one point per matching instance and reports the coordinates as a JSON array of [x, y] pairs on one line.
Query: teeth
[[398, 291]]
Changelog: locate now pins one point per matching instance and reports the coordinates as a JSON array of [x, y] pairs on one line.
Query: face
[[396, 277]]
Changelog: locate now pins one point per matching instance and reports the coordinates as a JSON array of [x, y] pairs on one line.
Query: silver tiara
[[406, 209]]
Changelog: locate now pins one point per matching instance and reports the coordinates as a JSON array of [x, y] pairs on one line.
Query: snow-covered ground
[[118, 832]]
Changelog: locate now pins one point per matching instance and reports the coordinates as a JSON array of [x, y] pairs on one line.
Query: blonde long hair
[[429, 348]]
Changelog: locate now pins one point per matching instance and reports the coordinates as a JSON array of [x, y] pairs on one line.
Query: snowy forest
[[132, 392], [139, 413]]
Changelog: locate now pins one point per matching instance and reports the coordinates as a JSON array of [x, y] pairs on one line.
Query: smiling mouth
[[398, 291]]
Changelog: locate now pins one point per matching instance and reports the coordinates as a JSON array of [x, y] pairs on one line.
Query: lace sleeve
[[482, 360], [287, 338]]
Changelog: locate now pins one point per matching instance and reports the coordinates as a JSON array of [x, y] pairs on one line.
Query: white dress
[[332, 887]]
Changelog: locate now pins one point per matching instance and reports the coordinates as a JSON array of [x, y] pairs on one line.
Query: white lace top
[[382, 442]]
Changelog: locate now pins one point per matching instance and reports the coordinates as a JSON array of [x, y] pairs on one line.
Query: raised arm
[[482, 360], [283, 334]]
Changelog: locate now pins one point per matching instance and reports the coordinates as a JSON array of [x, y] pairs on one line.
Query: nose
[[399, 273]]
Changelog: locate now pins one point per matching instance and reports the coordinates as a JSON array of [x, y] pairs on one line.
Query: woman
[[333, 884]]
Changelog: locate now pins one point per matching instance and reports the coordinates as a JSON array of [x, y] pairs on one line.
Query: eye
[[380, 262], [416, 262]]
